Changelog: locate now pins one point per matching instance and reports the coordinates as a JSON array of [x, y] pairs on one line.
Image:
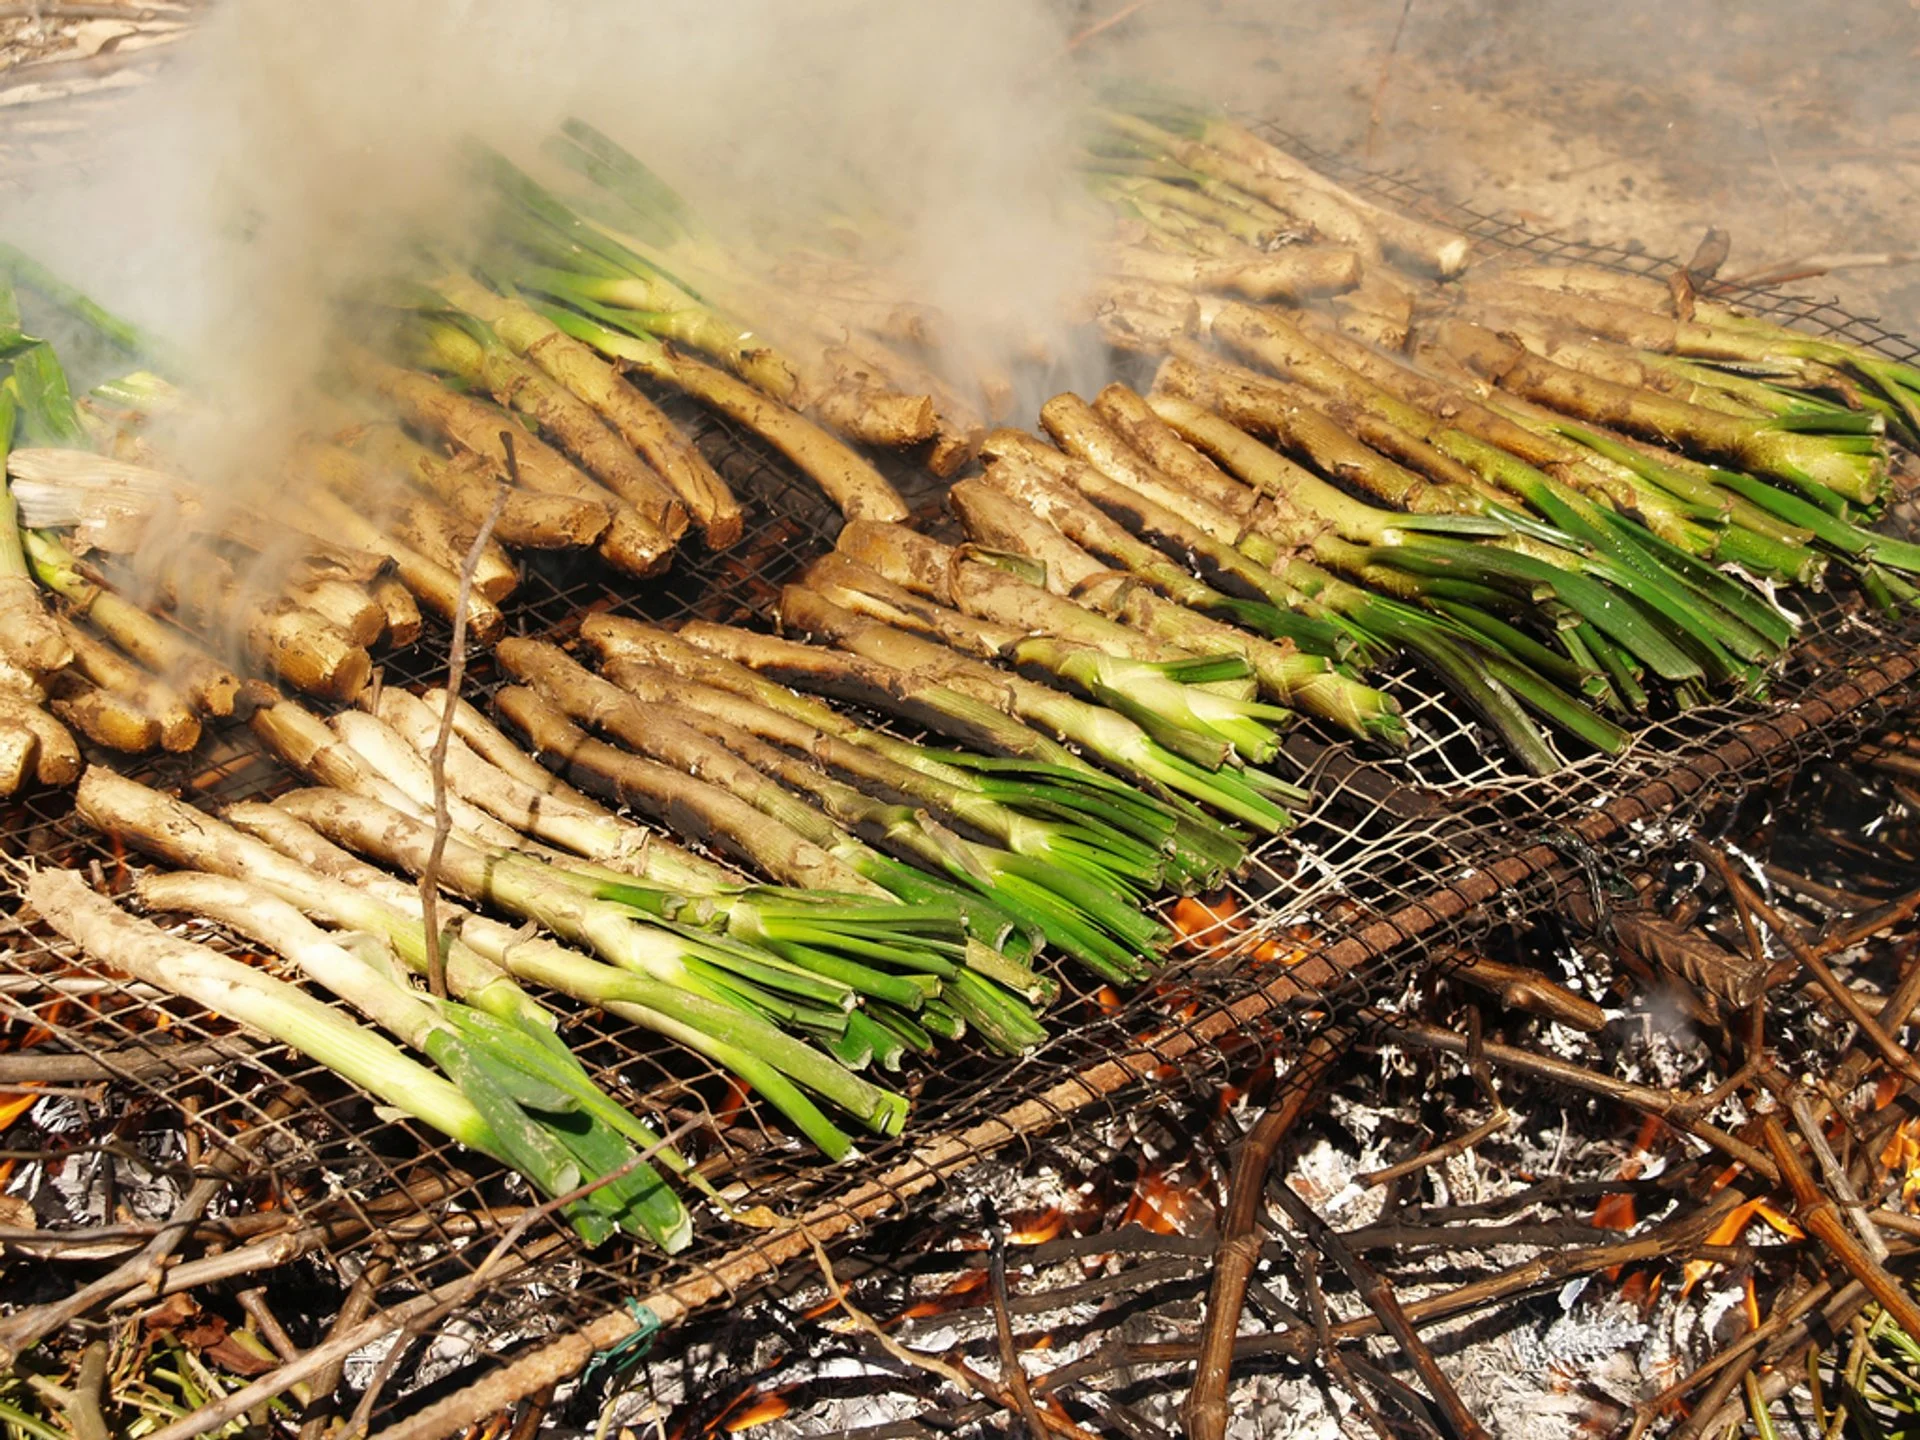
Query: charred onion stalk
[[29, 640], [481, 951], [1020, 768], [467, 483], [746, 814], [1067, 816], [1022, 511], [506, 1093], [631, 312], [1163, 127], [1246, 794], [652, 977], [1642, 313], [209, 686], [1472, 662], [827, 344], [476, 359], [1697, 519], [639, 421], [1851, 464], [631, 541], [1100, 926], [755, 981], [847, 478], [33, 745]]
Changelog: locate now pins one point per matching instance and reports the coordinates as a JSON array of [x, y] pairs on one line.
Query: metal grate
[[1397, 861]]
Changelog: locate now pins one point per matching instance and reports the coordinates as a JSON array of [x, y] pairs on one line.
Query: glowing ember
[[1729, 1231], [758, 1410], [1166, 1207], [1901, 1155]]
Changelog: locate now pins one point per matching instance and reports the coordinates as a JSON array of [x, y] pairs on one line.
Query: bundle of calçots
[[1567, 495]]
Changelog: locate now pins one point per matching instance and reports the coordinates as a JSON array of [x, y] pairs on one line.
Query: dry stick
[[1010, 1368], [284, 1249], [417, 1325], [962, 1376], [1648, 1411], [1521, 988], [253, 1300], [337, 1348], [1460, 1144], [26, 1328], [1330, 1355], [1378, 1294], [437, 759], [135, 1062], [82, 1411], [1677, 1110], [1822, 1219], [1822, 973], [1668, 1241], [353, 1310], [1239, 1251], [1872, 923], [1808, 1124], [1840, 1309]]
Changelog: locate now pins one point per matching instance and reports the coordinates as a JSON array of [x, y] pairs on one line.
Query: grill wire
[[1396, 863]]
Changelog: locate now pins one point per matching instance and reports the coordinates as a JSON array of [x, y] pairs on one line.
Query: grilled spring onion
[[1021, 767], [549, 1119], [1246, 795], [500, 1127], [1021, 813], [1099, 923]]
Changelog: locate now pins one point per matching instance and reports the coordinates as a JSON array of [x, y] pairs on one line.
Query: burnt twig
[[1520, 988], [1835, 1173], [1823, 1221], [1676, 1109], [145, 1270], [1010, 1368], [1239, 1252], [962, 1376], [353, 1310], [1379, 1297], [1330, 1355], [1466, 1140], [1814, 964], [437, 758]]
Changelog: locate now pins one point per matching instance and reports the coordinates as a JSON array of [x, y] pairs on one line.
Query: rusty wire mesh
[[1397, 861]]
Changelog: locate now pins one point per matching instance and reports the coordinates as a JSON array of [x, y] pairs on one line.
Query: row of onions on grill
[[904, 891]]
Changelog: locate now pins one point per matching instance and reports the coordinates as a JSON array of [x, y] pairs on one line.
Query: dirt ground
[[1795, 127]]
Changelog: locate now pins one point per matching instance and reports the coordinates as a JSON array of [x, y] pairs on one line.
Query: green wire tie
[[617, 1359]]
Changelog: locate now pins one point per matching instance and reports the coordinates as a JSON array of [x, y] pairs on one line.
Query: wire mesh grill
[[1397, 861]]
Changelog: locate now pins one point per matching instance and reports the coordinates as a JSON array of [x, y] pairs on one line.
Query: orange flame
[[759, 1410], [1037, 1229], [1160, 1205], [1729, 1231], [15, 1104], [1902, 1156], [1217, 926]]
